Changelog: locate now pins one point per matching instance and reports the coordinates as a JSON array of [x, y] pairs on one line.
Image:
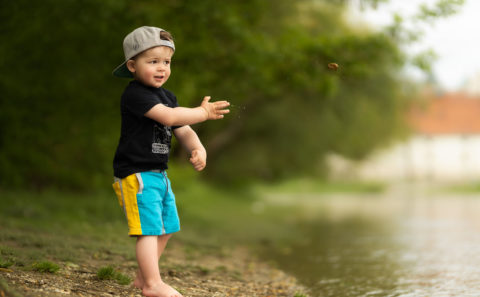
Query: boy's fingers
[[206, 98], [195, 156], [198, 165], [221, 104], [196, 162], [223, 111]]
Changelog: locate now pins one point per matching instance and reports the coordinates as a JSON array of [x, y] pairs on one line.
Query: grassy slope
[[77, 228], [66, 227]]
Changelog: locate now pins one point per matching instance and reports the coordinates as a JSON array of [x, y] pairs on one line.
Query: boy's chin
[[157, 83], [152, 84]]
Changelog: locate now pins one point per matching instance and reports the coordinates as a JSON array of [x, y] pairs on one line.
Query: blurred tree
[[59, 109]]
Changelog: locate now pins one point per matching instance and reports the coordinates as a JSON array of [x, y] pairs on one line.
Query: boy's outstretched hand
[[215, 110], [198, 159]]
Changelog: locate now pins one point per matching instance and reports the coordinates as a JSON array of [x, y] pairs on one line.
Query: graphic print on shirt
[[162, 136]]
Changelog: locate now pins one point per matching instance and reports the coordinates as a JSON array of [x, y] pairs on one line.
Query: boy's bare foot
[[160, 290], [138, 282]]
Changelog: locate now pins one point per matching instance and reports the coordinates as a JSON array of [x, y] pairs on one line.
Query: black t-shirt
[[144, 143]]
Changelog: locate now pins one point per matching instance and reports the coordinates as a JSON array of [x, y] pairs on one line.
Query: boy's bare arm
[[189, 139], [179, 116]]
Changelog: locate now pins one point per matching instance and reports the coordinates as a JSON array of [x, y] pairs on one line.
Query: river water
[[411, 241]]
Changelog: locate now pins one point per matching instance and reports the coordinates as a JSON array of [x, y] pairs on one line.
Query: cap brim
[[122, 71]]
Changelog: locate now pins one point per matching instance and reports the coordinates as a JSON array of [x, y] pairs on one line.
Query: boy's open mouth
[[159, 77]]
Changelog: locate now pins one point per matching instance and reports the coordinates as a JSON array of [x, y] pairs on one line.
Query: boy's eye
[[166, 62], [153, 62]]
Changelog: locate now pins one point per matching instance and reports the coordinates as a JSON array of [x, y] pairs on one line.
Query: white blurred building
[[445, 146], [472, 86]]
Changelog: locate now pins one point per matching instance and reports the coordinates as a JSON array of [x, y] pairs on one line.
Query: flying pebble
[[333, 66]]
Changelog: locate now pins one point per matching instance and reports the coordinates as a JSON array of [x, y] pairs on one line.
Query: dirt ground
[[233, 272]]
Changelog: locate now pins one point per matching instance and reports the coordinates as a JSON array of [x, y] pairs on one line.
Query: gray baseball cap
[[137, 41]]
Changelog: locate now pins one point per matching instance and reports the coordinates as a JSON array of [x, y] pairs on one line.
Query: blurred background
[[366, 174]]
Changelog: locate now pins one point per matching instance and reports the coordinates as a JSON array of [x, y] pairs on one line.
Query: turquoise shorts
[[148, 202]]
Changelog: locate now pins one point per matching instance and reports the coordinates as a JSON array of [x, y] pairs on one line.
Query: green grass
[[122, 279], [76, 227], [7, 257], [106, 273], [45, 266], [61, 228], [109, 273], [5, 263]]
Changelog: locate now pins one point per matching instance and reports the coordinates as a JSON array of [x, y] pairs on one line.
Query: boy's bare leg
[[161, 244], [140, 280], [148, 249]]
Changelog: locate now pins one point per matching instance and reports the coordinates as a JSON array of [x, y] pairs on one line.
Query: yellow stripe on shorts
[[128, 188]]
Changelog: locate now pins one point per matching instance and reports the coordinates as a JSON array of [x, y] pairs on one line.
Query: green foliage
[[296, 109], [57, 94], [442, 8], [425, 60], [362, 3], [45, 266], [59, 109], [108, 273]]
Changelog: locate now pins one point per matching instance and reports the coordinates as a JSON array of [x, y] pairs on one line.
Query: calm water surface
[[409, 242]]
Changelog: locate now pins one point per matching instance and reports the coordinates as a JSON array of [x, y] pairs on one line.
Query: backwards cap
[[137, 41]]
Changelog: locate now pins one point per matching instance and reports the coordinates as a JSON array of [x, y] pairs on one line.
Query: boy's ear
[[131, 66]]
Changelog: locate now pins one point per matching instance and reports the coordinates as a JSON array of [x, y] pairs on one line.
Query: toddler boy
[[150, 114]]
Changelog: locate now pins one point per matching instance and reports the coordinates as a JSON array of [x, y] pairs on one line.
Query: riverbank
[[228, 272], [226, 233], [55, 244]]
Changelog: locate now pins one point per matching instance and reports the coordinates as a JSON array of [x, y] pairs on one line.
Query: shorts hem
[[153, 232], [135, 232], [170, 231]]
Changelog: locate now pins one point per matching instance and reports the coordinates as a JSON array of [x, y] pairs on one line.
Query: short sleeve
[[139, 100], [169, 97]]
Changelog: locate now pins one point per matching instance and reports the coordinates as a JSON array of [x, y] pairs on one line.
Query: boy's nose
[[161, 67]]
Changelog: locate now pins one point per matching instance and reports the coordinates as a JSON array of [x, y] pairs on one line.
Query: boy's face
[[152, 67]]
